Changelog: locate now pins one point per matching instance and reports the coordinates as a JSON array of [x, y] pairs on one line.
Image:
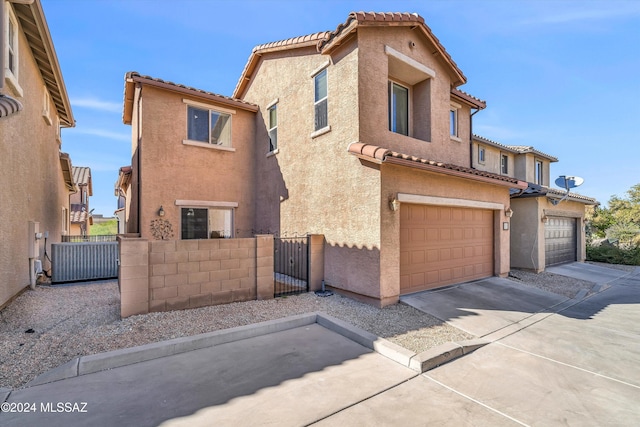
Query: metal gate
[[72, 262], [290, 265]]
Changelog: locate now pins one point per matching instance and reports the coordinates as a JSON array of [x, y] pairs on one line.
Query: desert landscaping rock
[[77, 320]]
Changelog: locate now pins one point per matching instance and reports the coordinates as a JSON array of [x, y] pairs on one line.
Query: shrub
[[614, 255]]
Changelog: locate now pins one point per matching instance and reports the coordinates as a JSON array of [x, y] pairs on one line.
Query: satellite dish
[[568, 182]]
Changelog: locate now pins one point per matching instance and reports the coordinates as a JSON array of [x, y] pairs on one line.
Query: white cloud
[[96, 104], [102, 133]]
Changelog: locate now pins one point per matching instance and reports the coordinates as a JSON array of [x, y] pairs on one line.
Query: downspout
[[139, 161], [471, 138]]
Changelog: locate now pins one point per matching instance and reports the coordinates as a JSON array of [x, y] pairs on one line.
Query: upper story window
[[504, 164], [539, 173], [481, 154], [46, 110], [398, 108], [12, 53], [273, 127], [320, 100], [208, 126], [453, 122], [409, 95]]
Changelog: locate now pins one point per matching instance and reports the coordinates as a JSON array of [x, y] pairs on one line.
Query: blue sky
[[559, 75]]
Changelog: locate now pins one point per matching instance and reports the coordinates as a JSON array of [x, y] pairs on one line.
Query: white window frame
[[504, 164], [482, 154], [210, 109], [273, 128], [209, 208], [454, 122], [65, 220], [392, 110], [539, 172], [316, 102], [12, 74], [46, 107]]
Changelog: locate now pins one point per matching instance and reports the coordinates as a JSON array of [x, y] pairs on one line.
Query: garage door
[[443, 245], [560, 240]]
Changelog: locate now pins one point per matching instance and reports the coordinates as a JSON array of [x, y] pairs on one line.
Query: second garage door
[[560, 240], [442, 245]]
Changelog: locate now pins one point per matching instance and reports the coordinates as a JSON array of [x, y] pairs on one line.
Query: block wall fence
[[165, 275]]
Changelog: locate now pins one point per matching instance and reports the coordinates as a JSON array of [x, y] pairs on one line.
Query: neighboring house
[[121, 191], [81, 219], [38, 180], [359, 134], [548, 226]]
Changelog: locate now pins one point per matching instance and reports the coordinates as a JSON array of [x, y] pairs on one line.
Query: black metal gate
[[290, 265]]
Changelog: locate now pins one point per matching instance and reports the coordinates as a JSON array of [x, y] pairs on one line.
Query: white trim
[[10, 77], [272, 103], [320, 68], [273, 153], [207, 145], [206, 204], [319, 132], [446, 201], [409, 61], [455, 138], [208, 106]]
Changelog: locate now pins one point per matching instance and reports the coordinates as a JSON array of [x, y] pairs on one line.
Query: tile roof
[[78, 213], [534, 190], [81, 175], [36, 31], [393, 18], [132, 77], [517, 149], [327, 40], [9, 106], [383, 155], [479, 103]]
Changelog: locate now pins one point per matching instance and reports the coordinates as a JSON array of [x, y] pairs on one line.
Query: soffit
[[34, 26]]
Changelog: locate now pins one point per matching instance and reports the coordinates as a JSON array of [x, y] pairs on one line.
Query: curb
[[420, 362]]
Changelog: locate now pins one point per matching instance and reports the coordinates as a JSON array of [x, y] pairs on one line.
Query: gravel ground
[[51, 325]]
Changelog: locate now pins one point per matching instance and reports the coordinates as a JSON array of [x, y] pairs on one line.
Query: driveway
[[551, 361]]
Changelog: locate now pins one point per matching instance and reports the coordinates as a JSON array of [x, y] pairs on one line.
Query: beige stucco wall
[[30, 169], [373, 68], [312, 185], [527, 230], [171, 170], [398, 179]]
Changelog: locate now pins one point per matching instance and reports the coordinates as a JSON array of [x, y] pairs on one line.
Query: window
[[481, 154], [504, 163], [320, 105], [539, 172], [205, 223], [65, 220], [398, 108], [12, 52], [46, 102], [208, 126], [273, 127], [453, 122]]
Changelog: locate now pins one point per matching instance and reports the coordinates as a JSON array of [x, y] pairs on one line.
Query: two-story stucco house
[[547, 226], [80, 214], [359, 134], [33, 107]]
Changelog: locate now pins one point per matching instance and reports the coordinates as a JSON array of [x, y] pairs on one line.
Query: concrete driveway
[[552, 361]]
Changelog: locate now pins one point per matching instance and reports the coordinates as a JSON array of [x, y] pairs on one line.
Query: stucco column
[[316, 261], [264, 266], [133, 276]]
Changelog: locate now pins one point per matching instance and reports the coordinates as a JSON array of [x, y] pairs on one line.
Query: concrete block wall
[[166, 275]]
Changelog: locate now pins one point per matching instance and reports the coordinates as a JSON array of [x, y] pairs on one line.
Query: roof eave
[[33, 15]]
